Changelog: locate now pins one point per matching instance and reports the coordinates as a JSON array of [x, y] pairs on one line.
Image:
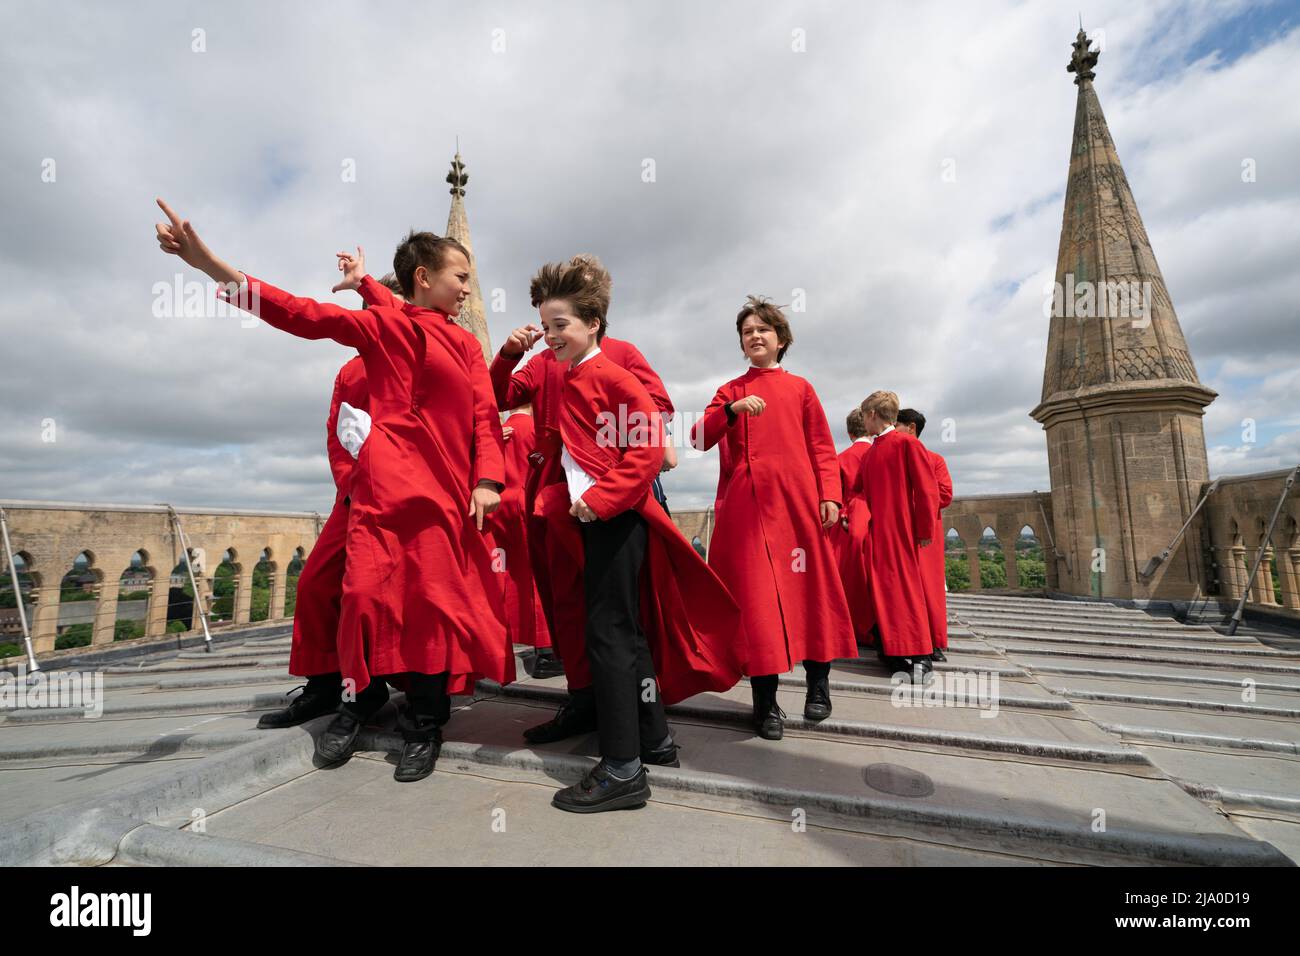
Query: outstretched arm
[[305, 318]]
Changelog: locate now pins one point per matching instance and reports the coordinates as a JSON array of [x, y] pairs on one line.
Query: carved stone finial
[[457, 177], [1083, 60]]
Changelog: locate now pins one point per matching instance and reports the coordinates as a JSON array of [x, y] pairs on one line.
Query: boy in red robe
[[778, 496], [897, 481], [933, 567], [653, 608], [420, 599], [313, 652], [559, 581], [850, 537]]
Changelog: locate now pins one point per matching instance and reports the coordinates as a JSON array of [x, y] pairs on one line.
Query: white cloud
[[776, 170]]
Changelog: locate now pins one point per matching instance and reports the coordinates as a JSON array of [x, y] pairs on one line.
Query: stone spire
[[1112, 318], [472, 315], [1121, 401]]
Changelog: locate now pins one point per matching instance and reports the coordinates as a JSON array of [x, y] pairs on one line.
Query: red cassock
[[768, 544], [419, 591], [509, 531], [851, 540], [933, 567], [559, 581], [320, 585], [690, 621], [897, 481]]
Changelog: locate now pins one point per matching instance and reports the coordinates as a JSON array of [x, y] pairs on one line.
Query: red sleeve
[[306, 318], [821, 448], [925, 493], [374, 292], [340, 458], [626, 484], [512, 388], [636, 364], [943, 480], [709, 430], [489, 446]]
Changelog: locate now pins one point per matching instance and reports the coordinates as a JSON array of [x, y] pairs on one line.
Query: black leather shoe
[[770, 726], [922, 670], [418, 758], [339, 738], [662, 756], [569, 721], [817, 705], [546, 666], [938, 655], [599, 790], [301, 709]]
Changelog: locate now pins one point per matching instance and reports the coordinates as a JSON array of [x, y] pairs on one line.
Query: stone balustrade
[[48, 536], [1239, 512]]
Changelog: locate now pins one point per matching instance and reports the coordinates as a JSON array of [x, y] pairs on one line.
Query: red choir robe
[[933, 567], [851, 540], [559, 581], [419, 592], [897, 481], [320, 585], [509, 530], [691, 623], [768, 544]]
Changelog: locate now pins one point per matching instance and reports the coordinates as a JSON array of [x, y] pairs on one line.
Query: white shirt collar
[[886, 431], [592, 354], [865, 438]]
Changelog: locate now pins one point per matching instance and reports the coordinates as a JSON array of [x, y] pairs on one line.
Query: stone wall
[[49, 537]]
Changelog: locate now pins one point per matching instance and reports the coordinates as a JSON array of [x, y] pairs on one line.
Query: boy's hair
[[762, 308], [422, 249], [910, 416], [390, 283], [583, 282], [884, 404], [857, 427]]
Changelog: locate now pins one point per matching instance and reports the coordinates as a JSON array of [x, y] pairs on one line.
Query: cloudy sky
[[796, 146]]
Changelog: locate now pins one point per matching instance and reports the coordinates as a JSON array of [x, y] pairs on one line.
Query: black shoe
[[817, 704], [938, 655], [922, 670], [661, 756], [599, 790], [546, 666], [770, 726], [569, 721], [896, 665], [339, 738], [418, 757], [301, 709]]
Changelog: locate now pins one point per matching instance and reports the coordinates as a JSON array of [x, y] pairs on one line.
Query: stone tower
[[472, 315], [1122, 404]]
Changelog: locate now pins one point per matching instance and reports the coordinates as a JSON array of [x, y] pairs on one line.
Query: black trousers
[[426, 697], [622, 673]]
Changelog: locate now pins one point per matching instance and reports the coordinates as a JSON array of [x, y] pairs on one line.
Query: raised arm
[[709, 430], [305, 318], [512, 388]]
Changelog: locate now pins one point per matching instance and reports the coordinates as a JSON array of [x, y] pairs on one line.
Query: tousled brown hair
[[762, 309], [583, 282], [426, 249]]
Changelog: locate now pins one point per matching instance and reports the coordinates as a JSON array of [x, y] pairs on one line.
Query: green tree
[[958, 575], [76, 635]]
